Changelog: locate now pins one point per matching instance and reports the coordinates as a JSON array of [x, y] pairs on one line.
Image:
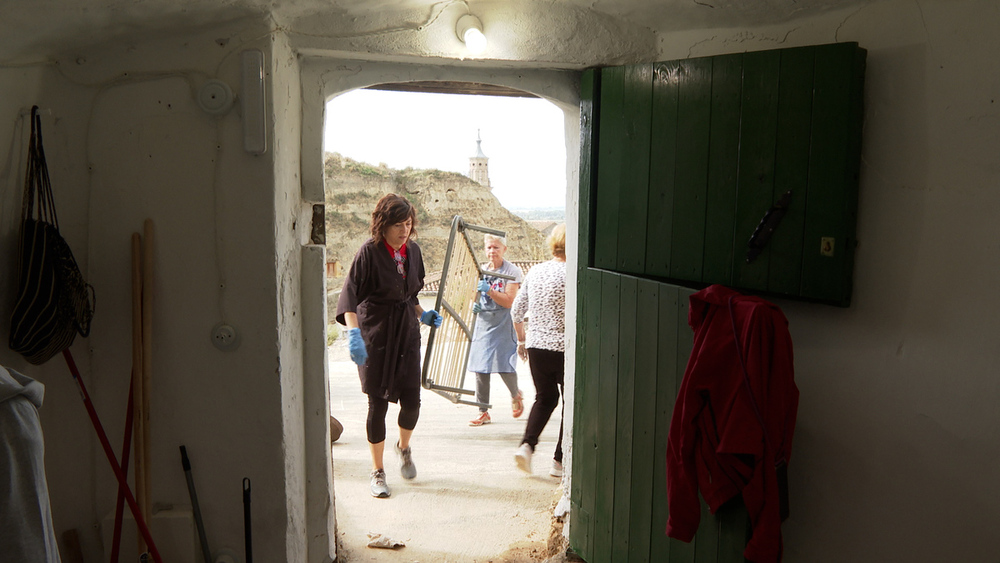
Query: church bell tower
[[479, 169]]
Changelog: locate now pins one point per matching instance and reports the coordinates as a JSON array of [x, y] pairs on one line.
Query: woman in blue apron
[[494, 344]]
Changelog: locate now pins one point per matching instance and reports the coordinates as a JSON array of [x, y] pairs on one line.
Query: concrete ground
[[469, 503]]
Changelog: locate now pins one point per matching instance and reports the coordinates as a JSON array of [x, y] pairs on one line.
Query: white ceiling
[[46, 28]]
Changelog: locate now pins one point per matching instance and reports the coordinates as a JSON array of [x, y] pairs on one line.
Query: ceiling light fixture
[[470, 31]]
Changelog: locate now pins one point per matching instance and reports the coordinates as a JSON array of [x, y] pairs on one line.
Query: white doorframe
[[323, 78]]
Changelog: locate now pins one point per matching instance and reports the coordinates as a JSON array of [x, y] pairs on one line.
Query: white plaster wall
[[896, 448], [67, 433], [522, 33], [896, 445], [128, 142], [301, 303]]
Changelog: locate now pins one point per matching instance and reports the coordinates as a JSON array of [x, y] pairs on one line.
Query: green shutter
[[693, 153]]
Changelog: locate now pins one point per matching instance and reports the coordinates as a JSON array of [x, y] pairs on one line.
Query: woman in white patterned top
[[542, 299]]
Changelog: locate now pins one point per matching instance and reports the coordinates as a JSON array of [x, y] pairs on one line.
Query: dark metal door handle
[[762, 234]]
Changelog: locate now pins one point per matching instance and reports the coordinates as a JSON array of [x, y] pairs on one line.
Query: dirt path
[[468, 504]]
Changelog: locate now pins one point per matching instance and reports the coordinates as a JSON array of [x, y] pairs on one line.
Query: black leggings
[[409, 412], [547, 372]]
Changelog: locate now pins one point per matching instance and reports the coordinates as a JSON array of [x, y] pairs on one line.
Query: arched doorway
[[325, 79]]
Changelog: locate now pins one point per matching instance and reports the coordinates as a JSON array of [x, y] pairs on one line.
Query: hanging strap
[[37, 184]]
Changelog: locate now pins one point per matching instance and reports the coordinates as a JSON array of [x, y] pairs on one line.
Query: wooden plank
[[832, 175], [685, 334], [756, 162], [611, 159], [583, 492], [662, 157], [733, 530], [681, 552], [791, 168], [666, 393], [634, 185], [624, 419], [606, 411], [723, 161], [644, 418], [589, 111], [852, 173], [706, 539], [694, 105]]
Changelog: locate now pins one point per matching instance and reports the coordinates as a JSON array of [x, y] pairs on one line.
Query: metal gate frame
[[447, 357]]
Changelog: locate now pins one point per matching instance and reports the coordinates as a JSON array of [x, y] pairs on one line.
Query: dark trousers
[[483, 387], [409, 412], [547, 370]]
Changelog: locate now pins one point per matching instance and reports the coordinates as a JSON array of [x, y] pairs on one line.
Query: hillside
[[352, 188]]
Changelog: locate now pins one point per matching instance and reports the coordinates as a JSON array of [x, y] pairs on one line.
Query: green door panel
[[694, 103], [791, 166], [607, 404], [610, 160], [755, 179], [680, 161], [724, 141], [831, 210], [662, 158], [584, 482], [710, 145], [643, 459], [624, 419], [634, 171]]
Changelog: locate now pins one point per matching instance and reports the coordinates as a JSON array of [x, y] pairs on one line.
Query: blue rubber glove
[[356, 345], [484, 286], [431, 318], [477, 308]]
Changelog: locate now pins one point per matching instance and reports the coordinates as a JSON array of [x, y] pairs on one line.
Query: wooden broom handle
[[147, 358], [138, 415]]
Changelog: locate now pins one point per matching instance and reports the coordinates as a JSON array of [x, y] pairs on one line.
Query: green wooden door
[[688, 156], [632, 347], [680, 160]]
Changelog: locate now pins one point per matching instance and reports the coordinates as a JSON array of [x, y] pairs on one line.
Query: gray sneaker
[[378, 487], [406, 467]]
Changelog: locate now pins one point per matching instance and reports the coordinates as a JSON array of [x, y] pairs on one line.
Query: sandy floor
[[469, 503]]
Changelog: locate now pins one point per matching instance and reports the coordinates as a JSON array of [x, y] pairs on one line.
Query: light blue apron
[[494, 343]]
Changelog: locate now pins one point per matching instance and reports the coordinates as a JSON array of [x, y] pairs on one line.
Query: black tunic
[[386, 307]]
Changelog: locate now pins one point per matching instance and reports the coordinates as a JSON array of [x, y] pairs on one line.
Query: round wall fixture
[[215, 97], [225, 337]]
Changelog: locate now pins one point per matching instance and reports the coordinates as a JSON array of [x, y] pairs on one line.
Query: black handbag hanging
[[54, 303]]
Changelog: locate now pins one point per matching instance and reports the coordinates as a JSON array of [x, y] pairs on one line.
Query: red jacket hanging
[[717, 443]]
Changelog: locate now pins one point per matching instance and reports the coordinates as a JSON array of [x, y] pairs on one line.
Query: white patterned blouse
[[542, 299]]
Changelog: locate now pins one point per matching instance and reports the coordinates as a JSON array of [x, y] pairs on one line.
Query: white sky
[[523, 138]]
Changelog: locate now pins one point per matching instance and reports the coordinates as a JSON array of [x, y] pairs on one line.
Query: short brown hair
[[557, 241], [389, 210]]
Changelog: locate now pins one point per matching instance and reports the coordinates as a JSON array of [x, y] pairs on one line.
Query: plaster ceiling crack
[[836, 34], [923, 23], [430, 19], [695, 44]]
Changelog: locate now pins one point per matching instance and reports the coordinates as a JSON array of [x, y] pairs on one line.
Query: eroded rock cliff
[[352, 188]]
